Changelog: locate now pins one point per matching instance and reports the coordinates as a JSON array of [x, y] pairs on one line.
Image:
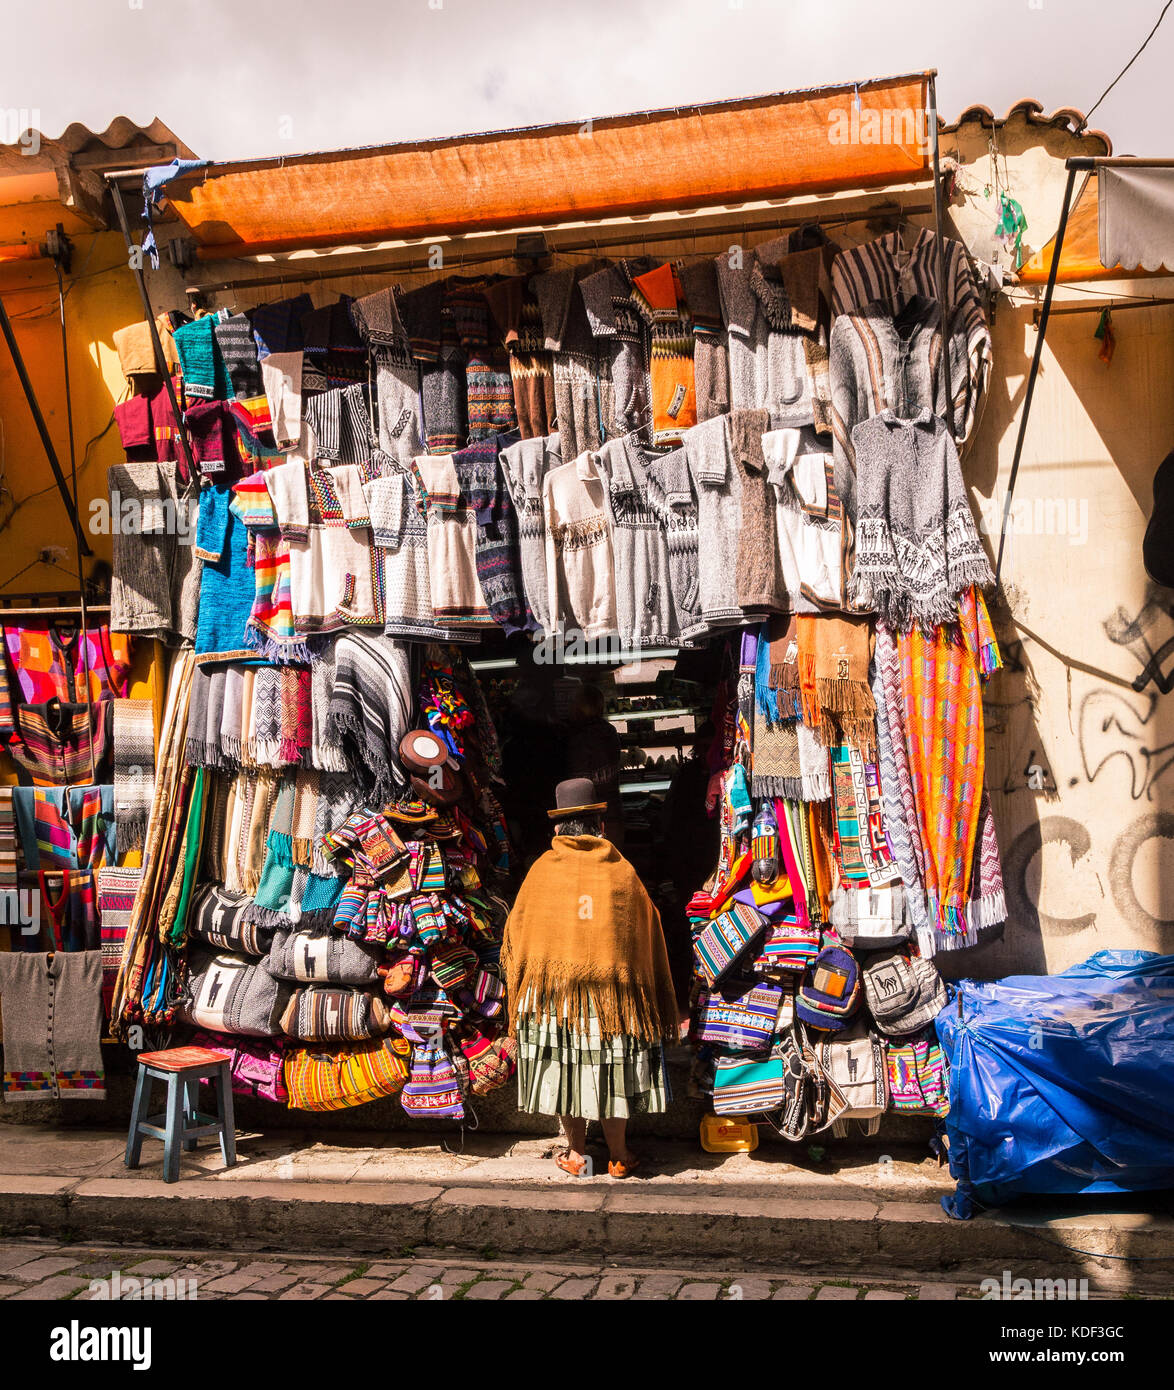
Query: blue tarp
[[1062, 1083]]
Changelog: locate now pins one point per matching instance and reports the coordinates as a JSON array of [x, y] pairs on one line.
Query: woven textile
[[326, 751], [917, 547], [52, 661], [497, 555], [58, 744], [65, 828], [859, 841], [221, 920], [941, 675], [319, 1078], [371, 710], [322, 1014], [399, 533], [116, 897], [8, 879], [134, 770], [52, 1026], [901, 823]]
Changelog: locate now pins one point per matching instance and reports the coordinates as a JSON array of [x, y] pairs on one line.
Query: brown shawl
[[584, 937], [834, 654]]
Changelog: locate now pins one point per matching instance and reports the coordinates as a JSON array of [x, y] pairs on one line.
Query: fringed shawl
[[371, 710], [585, 939]]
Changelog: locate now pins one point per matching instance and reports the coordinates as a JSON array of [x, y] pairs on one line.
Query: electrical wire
[[1084, 123]]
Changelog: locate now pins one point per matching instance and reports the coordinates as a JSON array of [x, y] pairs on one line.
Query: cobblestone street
[[32, 1270]]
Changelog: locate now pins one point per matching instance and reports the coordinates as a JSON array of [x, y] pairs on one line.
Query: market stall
[[691, 524]]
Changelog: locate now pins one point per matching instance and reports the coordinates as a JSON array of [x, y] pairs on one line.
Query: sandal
[[564, 1161], [624, 1167]]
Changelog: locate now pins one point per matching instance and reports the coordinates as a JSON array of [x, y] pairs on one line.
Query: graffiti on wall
[[1112, 724]]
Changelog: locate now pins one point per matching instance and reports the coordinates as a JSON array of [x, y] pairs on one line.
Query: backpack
[[830, 993], [871, 919], [918, 1076], [854, 1061], [905, 995]]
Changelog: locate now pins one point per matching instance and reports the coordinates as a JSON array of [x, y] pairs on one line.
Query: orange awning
[[1081, 257], [774, 146]]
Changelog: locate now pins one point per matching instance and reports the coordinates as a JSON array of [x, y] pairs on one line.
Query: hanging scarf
[[776, 768], [262, 807], [326, 752], [814, 765], [305, 815], [834, 656], [901, 823], [134, 770], [337, 798], [297, 725], [782, 633], [370, 710], [941, 677], [142, 949], [230, 722], [266, 745]]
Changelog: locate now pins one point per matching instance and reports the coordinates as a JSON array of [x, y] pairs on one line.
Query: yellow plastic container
[[728, 1134]]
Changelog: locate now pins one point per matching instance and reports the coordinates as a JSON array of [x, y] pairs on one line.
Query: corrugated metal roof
[[68, 168]]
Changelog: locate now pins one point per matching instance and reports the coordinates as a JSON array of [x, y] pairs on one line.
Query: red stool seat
[[180, 1058]]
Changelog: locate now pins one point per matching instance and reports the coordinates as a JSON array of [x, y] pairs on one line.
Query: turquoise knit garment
[[228, 584], [199, 356]]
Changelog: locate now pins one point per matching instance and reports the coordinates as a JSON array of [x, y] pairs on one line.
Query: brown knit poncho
[[585, 937]]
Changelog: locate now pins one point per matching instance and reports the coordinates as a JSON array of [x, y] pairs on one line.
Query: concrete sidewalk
[[825, 1207]]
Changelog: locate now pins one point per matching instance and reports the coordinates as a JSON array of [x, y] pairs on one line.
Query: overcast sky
[[237, 78]]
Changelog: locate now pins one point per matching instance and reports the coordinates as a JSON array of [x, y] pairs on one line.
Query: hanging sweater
[[580, 571], [917, 547], [498, 561], [898, 267], [227, 584], [719, 517], [52, 1025], [671, 496], [644, 603], [808, 519], [400, 535], [323, 518], [525, 466], [879, 362], [458, 600]]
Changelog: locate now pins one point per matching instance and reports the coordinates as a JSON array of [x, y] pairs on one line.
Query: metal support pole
[[149, 314], [77, 530], [1057, 248], [39, 420], [943, 298]]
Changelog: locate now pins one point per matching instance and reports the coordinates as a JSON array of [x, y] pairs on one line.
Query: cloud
[[360, 72]]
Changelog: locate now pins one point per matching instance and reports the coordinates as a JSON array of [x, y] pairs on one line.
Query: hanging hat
[[420, 750], [575, 797]]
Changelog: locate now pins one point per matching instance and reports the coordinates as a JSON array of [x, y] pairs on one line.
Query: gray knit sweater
[[917, 547], [671, 496], [879, 362], [644, 601], [525, 466], [52, 1025]]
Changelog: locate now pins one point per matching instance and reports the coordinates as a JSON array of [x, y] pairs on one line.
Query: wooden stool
[[181, 1124]]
